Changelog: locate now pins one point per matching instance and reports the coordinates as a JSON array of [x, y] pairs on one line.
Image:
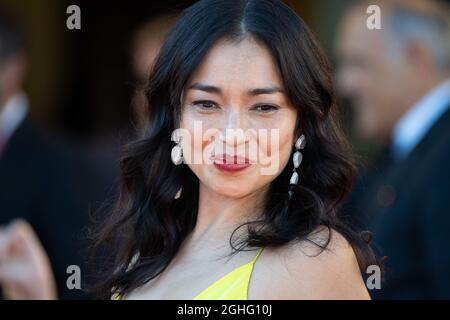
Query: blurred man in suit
[[398, 80], [41, 181]]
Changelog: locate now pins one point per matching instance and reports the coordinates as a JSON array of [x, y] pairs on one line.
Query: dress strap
[[257, 255]]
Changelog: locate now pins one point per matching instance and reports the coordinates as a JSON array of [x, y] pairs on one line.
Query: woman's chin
[[236, 191]]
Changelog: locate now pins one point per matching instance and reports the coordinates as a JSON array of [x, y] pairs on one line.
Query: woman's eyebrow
[[268, 90], [251, 92], [205, 87]]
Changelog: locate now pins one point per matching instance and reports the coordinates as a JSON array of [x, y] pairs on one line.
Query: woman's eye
[[265, 108], [205, 105]]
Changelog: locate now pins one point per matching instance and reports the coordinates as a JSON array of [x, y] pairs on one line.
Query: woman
[[235, 69]]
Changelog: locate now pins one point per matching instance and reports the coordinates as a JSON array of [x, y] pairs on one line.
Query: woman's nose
[[234, 131]]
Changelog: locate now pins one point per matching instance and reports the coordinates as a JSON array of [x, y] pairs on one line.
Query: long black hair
[[147, 225]]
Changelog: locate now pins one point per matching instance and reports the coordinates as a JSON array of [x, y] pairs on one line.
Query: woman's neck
[[219, 215]]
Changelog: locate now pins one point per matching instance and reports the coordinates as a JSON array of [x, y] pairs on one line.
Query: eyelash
[[257, 107], [272, 107], [203, 102]]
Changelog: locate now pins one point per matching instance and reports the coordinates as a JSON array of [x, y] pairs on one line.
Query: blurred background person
[[398, 81], [13, 102], [146, 42], [25, 268], [42, 180]]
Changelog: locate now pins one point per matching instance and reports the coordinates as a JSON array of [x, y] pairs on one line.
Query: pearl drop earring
[[297, 160], [177, 151], [178, 195], [177, 155]]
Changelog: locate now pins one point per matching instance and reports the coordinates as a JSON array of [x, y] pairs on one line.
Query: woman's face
[[237, 123]]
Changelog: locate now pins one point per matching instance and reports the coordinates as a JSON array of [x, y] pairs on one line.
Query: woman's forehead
[[245, 64]]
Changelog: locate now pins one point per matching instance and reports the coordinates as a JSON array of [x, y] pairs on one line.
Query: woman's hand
[[25, 271]]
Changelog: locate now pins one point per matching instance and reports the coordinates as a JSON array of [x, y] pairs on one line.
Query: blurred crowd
[[395, 80]]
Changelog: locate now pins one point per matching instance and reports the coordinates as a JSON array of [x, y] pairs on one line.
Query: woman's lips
[[229, 163]]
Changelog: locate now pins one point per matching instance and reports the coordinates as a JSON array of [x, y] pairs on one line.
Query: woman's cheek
[[197, 142], [279, 144]]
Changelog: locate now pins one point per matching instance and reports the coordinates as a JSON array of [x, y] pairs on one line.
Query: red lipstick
[[225, 162]]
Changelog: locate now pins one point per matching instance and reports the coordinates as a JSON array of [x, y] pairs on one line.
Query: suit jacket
[[407, 207], [46, 183]]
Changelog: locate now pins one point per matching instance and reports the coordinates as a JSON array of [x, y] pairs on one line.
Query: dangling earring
[[177, 155], [177, 151], [297, 159], [178, 195]]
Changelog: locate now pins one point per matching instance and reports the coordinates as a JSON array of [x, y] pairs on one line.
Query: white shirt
[[415, 124], [12, 115]]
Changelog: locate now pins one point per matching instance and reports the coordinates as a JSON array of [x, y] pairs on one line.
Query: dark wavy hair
[[148, 220]]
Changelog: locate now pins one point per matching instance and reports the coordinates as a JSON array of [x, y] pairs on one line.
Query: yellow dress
[[232, 286]]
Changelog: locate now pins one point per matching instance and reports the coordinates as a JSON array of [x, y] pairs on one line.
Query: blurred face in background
[[367, 75], [145, 45], [381, 80], [12, 73], [236, 69]]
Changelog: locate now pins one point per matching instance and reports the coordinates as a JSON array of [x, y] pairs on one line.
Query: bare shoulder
[[302, 270]]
